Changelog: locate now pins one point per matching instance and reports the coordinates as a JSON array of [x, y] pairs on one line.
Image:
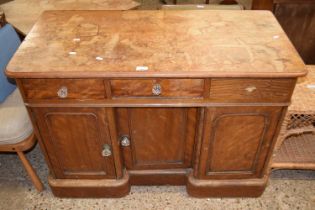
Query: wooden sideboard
[[190, 98]]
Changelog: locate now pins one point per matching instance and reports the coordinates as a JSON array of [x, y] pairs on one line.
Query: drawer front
[[63, 89], [169, 88], [251, 90]]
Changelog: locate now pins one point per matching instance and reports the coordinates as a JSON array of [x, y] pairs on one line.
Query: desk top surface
[[156, 44]]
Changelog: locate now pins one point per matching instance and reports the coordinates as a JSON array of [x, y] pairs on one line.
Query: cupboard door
[[76, 140], [160, 138], [236, 141]]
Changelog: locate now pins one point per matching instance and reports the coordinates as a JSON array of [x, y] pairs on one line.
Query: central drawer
[[168, 88]]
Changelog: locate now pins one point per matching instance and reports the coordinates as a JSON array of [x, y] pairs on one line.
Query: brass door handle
[[125, 141], [156, 89], [63, 92]]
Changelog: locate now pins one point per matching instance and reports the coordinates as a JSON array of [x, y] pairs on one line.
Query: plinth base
[[87, 188], [225, 188]]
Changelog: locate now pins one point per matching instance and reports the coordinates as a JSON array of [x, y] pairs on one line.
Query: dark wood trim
[[198, 143], [262, 5], [115, 142], [85, 188]]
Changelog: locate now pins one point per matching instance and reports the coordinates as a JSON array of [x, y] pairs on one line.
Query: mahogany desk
[[190, 98]]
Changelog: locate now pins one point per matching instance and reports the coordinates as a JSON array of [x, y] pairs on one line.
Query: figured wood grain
[[152, 149], [168, 43], [237, 141], [75, 139], [251, 90], [80, 89], [173, 88]]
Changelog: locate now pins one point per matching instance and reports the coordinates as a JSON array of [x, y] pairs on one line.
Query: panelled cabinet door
[[78, 141], [159, 138], [236, 141]]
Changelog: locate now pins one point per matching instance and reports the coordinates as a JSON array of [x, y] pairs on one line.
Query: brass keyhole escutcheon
[[107, 150]]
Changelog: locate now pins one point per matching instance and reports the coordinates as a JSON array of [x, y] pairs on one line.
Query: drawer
[[251, 90], [168, 88], [63, 89]]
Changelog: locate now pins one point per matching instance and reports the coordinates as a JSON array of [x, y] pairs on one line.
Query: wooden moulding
[[226, 188], [85, 188]]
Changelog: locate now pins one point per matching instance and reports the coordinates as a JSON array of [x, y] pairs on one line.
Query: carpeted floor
[[287, 190]]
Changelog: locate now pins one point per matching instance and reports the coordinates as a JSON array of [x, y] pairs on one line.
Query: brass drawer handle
[[250, 89], [124, 141], [156, 89], [63, 92], [107, 150]]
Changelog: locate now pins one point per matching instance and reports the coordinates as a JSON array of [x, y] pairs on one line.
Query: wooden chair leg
[[31, 172]]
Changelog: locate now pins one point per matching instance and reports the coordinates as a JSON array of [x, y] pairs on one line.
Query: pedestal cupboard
[[190, 98]]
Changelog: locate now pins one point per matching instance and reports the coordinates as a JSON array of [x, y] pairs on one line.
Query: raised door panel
[[161, 138], [229, 155], [74, 139], [237, 141]]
